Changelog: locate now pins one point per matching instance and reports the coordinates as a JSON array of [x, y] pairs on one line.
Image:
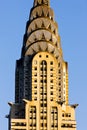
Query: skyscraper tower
[[41, 78]]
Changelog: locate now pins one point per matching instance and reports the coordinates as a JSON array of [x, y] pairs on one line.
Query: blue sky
[[71, 16]]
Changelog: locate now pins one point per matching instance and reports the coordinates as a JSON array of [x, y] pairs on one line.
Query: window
[[51, 75], [45, 124], [51, 80], [51, 63], [43, 69], [59, 71], [47, 56], [63, 115], [35, 74], [69, 115], [51, 86], [67, 125], [35, 92], [59, 89], [35, 87], [59, 96], [51, 99], [51, 69], [59, 77], [41, 117], [35, 68], [35, 80], [45, 117], [35, 98], [51, 93], [39, 55], [58, 64], [66, 115], [59, 83], [43, 81], [41, 124], [45, 105]]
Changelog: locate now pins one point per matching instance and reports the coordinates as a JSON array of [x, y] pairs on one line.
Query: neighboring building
[[41, 83]]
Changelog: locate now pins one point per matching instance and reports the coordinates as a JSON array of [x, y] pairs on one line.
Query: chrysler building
[[41, 77]]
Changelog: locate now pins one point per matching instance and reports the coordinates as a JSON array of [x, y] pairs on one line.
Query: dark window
[[51, 80], [35, 86], [51, 63], [59, 71], [51, 69], [35, 80], [35, 68], [39, 55], [41, 124], [47, 56], [35, 74], [51, 86], [51, 75], [51, 93], [58, 64]]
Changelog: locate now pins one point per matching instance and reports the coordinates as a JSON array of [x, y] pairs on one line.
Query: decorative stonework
[[41, 2]]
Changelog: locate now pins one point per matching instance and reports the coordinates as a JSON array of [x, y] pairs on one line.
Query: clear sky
[[71, 16]]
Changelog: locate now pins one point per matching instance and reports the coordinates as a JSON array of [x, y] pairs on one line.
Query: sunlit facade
[[41, 77]]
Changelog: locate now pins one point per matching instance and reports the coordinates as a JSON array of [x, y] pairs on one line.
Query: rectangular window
[[51, 69], [51, 62], [35, 80], [35, 68], [51, 75], [35, 74]]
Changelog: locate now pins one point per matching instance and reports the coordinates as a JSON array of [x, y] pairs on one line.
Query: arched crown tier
[[40, 2], [42, 31]]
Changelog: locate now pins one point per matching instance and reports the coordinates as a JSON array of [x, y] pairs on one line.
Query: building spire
[[40, 2]]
